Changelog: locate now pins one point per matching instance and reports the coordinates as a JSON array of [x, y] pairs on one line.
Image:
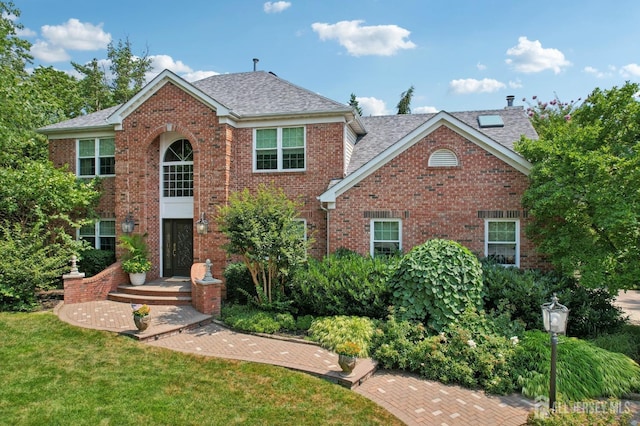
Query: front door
[[177, 247]]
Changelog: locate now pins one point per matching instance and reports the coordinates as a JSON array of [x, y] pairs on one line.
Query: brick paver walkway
[[413, 400]]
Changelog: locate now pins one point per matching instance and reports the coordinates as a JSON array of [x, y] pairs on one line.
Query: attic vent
[[490, 121], [443, 158]]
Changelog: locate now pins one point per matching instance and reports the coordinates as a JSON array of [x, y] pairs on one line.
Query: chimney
[[255, 63], [510, 99]]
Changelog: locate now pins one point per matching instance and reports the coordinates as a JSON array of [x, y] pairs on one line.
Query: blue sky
[[458, 55]]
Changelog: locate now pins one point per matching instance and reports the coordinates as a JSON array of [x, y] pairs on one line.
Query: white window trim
[[304, 223], [486, 239], [372, 233], [96, 156], [279, 151], [96, 233]]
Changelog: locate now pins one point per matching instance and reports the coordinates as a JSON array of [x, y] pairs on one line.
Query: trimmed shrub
[[247, 318], [435, 282], [333, 331], [344, 283], [240, 286], [585, 371], [93, 261]]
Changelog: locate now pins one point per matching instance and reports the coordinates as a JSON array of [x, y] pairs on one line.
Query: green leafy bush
[[344, 283], [475, 351], [436, 281], [247, 318], [610, 418], [520, 293], [240, 286], [93, 261], [333, 331], [626, 341], [584, 371], [303, 323], [29, 262]]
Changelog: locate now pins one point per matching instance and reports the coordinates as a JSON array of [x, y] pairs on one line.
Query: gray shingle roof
[[263, 93], [95, 119], [385, 131]]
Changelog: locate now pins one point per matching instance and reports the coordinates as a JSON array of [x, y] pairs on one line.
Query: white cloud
[[382, 40], [76, 35], [515, 84], [424, 110], [597, 73], [372, 106], [631, 70], [161, 62], [48, 53], [25, 32], [481, 67], [529, 57], [276, 6], [471, 85]]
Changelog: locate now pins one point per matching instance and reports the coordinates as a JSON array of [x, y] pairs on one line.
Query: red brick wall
[[433, 202], [79, 290], [324, 162]]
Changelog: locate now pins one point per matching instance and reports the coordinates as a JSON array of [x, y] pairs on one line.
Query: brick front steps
[[161, 292]]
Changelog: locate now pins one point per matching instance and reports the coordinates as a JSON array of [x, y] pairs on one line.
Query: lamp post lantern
[[554, 317]]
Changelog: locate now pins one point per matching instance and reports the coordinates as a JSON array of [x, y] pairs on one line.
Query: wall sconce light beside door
[[202, 225], [128, 224]]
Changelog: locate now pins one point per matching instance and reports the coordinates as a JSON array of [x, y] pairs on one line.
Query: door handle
[[174, 249]]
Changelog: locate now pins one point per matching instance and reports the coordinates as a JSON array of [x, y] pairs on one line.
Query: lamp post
[[554, 317]]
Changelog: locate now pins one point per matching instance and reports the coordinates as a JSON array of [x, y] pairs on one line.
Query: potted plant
[[135, 260], [141, 316], [348, 356]]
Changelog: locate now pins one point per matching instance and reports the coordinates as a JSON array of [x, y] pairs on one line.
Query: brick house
[[176, 150]]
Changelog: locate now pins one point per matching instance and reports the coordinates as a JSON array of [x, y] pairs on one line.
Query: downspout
[[327, 212]]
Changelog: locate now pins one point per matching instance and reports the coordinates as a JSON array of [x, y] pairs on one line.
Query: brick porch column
[[206, 293]]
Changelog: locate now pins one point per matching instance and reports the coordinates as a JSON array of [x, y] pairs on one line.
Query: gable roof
[[389, 136], [248, 95]]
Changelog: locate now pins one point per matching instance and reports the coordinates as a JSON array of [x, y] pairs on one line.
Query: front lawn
[[53, 373]]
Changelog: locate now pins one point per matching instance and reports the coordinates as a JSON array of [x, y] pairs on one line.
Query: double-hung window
[[101, 235], [279, 149], [386, 237], [502, 241], [96, 157]]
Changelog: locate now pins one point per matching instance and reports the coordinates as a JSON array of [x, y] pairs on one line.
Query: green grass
[[53, 373]]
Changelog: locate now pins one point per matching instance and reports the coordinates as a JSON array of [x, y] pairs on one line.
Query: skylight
[[490, 121]]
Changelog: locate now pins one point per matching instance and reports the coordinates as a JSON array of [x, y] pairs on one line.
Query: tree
[[58, 92], [584, 193], [128, 70], [404, 105], [38, 202], [94, 86], [353, 103], [262, 230]]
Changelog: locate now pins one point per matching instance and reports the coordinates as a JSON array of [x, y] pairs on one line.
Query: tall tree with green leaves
[[129, 71], [38, 202], [262, 230], [353, 103], [404, 105], [94, 86], [584, 193]]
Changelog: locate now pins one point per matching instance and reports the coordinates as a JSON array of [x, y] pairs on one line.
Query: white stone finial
[[207, 275]]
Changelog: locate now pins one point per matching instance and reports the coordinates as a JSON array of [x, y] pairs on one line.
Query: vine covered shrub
[[435, 282], [343, 283]]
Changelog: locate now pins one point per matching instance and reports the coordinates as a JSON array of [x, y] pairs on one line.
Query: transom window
[[502, 242], [386, 237], [177, 170], [101, 235], [96, 157], [279, 149]]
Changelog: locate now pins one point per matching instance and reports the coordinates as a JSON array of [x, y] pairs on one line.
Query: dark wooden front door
[[177, 250]]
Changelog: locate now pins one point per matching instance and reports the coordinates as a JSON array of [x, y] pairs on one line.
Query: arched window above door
[[177, 170]]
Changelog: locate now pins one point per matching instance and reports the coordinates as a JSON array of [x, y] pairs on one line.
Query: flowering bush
[[348, 349], [140, 310]]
